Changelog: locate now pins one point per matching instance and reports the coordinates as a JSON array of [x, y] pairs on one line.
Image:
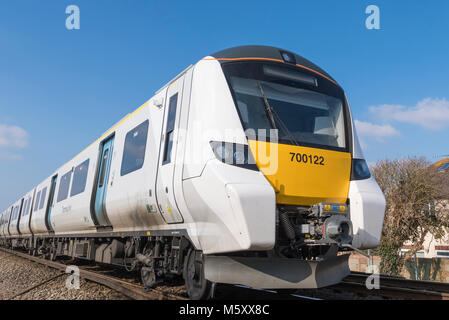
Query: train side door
[[9, 219], [50, 203], [19, 215], [102, 183], [167, 157], [2, 223]]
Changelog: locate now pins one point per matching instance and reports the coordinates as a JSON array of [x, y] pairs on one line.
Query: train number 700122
[[307, 158]]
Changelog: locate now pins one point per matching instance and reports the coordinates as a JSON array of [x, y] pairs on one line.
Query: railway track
[[127, 283], [352, 287], [397, 288], [131, 290]]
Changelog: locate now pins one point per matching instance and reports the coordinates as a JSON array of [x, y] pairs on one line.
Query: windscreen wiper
[[271, 113]]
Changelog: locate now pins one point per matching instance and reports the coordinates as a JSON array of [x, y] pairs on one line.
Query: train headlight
[[234, 154], [360, 170], [239, 157], [223, 153]]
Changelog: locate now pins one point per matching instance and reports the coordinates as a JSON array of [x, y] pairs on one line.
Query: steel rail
[[400, 282], [130, 290], [395, 287], [390, 287], [136, 292]]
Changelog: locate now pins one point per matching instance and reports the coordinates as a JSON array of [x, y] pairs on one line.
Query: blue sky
[[60, 89]]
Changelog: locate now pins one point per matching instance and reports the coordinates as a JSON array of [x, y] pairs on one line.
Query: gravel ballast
[[18, 274]]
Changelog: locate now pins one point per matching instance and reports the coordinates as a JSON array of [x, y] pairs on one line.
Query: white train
[[244, 169]]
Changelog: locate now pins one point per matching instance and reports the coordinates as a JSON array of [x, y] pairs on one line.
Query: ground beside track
[[18, 275]]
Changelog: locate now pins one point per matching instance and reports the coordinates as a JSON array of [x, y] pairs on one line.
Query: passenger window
[[170, 128], [134, 149], [36, 202], [64, 185], [79, 178]]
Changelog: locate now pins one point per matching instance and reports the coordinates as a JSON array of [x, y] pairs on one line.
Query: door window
[[103, 167], [25, 207], [43, 195], [36, 203], [170, 128]]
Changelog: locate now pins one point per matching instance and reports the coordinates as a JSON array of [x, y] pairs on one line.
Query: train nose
[[338, 228]]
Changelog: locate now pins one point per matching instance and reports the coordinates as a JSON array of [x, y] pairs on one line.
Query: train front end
[[317, 196]]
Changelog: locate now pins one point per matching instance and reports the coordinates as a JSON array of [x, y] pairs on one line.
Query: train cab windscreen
[[288, 101]]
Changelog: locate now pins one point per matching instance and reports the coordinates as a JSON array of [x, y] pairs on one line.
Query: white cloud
[[428, 113], [13, 136], [376, 131]]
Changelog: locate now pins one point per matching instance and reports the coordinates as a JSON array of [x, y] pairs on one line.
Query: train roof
[[255, 52]]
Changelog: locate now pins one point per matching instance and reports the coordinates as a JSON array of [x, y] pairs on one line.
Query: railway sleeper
[[159, 259]]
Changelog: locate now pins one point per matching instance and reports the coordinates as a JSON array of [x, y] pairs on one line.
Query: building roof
[[442, 165]]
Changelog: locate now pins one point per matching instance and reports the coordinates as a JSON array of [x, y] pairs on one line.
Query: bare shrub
[[415, 193]]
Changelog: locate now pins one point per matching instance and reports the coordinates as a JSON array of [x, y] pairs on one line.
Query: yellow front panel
[[301, 175]]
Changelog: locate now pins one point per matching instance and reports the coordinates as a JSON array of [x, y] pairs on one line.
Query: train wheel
[[148, 278], [198, 287], [53, 254]]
